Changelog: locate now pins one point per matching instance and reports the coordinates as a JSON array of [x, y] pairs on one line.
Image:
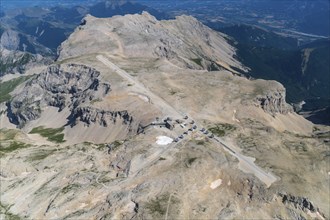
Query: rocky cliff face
[[59, 86], [90, 115], [300, 203], [273, 102], [270, 96], [18, 62]]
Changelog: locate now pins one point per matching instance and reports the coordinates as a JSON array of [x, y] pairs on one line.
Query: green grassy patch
[[76, 214], [299, 147], [70, 187], [158, 205], [247, 143], [221, 130], [4, 210], [198, 61], [41, 155], [95, 101], [105, 179], [9, 86], [8, 144], [7, 134], [12, 146], [101, 147], [116, 144], [52, 134], [191, 160], [173, 92], [200, 142]]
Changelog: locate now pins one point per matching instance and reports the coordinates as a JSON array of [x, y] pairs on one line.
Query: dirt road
[[246, 164], [140, 88]]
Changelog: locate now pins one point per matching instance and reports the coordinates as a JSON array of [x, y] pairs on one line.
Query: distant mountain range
[[42, 29], [307, 16]]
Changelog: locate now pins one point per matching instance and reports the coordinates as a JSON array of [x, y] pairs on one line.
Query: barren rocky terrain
[[80, 139]]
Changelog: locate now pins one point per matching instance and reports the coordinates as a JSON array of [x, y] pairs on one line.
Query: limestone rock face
[[91, 115], [298, 202], [19, 62], [9, 40], [274, 102], [58, 86]]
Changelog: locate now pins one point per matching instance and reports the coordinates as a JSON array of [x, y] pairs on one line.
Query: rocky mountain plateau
[[140, 118]]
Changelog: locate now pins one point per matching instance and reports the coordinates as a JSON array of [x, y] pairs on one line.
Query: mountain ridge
[[158, 38]]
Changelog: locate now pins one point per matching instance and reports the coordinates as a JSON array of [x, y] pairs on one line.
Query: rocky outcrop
[[274, 102], [300, 203], [19, 112], [90, 115], [18, 62], [164, 48], [58, 86]]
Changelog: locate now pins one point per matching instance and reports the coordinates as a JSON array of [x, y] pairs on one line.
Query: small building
[[169, 125], [178, 121]]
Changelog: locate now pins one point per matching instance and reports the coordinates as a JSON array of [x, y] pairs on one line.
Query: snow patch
[[141, 96], [215, 184], [164, 140]]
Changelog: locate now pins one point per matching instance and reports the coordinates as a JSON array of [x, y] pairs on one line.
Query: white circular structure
[[164, 140]]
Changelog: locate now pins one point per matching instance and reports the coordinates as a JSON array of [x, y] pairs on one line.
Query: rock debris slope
[[120, 84], [58, 86]]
